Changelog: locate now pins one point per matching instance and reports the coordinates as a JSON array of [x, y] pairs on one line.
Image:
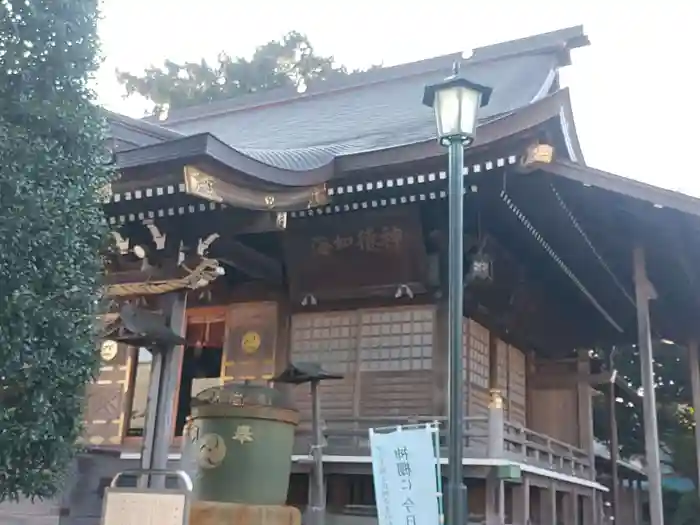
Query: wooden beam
[[251, 262], [206, 185], [601, 378], [543, 382]]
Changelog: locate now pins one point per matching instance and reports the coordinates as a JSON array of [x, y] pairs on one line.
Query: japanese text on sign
[[403, 469], [404, 465], [387, 238]]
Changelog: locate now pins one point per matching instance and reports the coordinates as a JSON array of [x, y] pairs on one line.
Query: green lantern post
[[456, 102]]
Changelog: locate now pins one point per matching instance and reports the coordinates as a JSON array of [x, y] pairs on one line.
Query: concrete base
[[214, 513]]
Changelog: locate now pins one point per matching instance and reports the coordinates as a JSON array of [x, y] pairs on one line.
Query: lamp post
[[297, 374], [456, 102]]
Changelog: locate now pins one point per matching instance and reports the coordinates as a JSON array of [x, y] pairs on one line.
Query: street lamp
[[456, 102]]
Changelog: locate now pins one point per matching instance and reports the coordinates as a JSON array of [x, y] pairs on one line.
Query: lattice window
[[465, 352], [517, 386], [329, 338], [396, 360], [478, 355], [396, 339], [502, 372]]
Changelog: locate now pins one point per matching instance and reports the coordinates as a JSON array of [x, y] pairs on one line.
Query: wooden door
[[105, 404], [251, 338]]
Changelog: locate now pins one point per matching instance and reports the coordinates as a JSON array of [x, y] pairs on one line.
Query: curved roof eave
[[496, 129], [568, 129], [207, 145]]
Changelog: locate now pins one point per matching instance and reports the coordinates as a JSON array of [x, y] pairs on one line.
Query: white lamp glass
[[455, 111]]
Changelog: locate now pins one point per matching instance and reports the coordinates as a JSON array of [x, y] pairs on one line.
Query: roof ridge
[[567, 39], [562, 40], [142, 125], [280, 95]]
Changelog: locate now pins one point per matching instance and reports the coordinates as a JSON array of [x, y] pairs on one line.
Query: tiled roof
[[376, 110]]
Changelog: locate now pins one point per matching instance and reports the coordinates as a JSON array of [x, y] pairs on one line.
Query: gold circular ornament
[[109, 350], [250, 342], [211, 451]]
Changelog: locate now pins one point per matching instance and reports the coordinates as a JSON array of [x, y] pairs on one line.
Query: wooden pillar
[[637, 502], [162, 392], [567, 507], [602, 515], [548, 505], [644, 291], [521, 502], [495, 446], [575, 508], [589, 516], [495, 500], [501, 501], [694, 362], [585, 409], [614, 447]]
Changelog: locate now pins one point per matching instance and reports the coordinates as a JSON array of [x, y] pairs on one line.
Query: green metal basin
[[238, 448]]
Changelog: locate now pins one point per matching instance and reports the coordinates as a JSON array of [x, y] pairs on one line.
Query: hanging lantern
[[480, 269]]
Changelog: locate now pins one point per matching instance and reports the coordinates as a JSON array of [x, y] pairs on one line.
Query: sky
[[640, 50]]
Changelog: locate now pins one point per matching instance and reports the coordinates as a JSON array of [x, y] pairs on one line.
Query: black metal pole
[[318, 497], [457, 503]]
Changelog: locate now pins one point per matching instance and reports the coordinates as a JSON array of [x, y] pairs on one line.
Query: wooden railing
[[350, 437], [528, 446]]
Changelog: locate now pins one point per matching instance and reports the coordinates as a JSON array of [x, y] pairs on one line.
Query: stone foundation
[[213, 513]]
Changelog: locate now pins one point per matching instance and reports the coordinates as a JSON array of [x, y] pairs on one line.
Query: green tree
[[290, 62], [52, 166], [672, 390], [680, 444]]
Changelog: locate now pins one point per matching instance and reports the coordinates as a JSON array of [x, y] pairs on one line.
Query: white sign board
[[404, 466], [134, 507]]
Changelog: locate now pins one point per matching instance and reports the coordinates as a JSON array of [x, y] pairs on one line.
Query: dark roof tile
[[374, 110]]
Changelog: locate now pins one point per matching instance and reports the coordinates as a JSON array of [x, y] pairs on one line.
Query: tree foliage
[[290, 62], [672, 392], [52, 166]]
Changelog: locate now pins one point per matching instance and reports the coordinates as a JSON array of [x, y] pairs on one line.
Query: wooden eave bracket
[[252, 262]]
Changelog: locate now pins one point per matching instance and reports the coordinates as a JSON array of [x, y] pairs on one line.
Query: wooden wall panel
[[251, 338], [395, 373], [554, 411], [517, 387], [477, 337], [556, 414], [511, 381], [396, 394], [330, 339], [385, 355], [502, 383], [105, 406]]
